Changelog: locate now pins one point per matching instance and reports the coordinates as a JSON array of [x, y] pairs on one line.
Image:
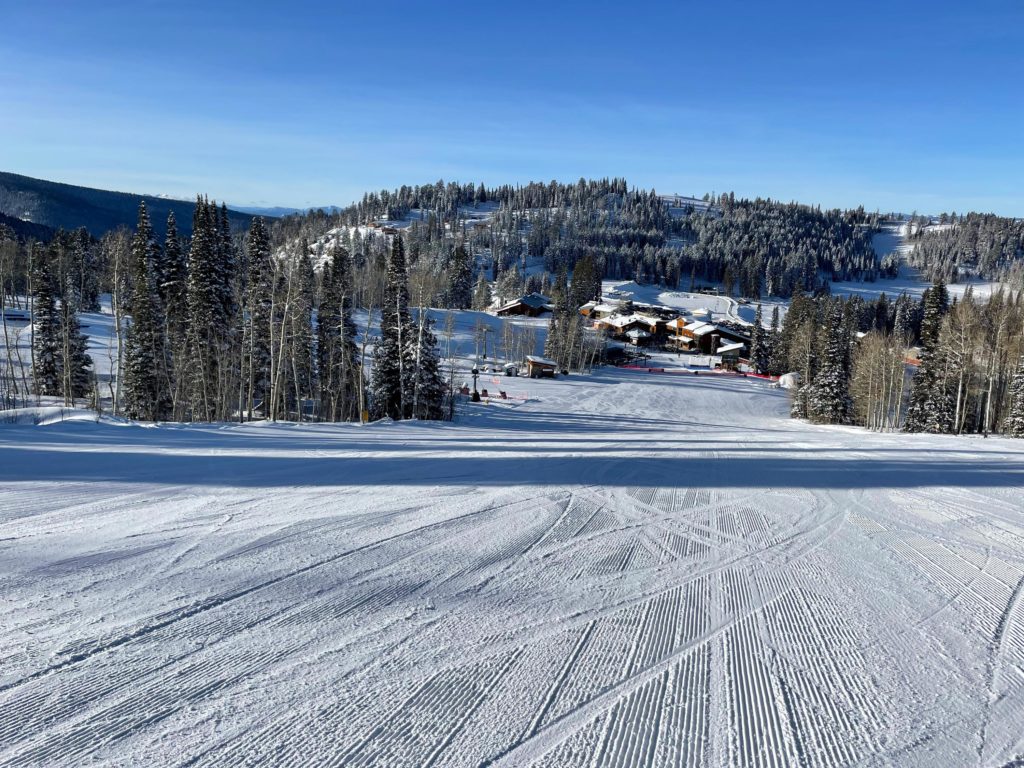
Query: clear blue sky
[[899, 106]]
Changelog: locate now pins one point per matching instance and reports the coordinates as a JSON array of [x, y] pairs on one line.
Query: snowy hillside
[[626, 569]]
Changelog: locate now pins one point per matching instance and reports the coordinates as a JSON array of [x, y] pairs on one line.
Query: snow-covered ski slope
[[628, 569]]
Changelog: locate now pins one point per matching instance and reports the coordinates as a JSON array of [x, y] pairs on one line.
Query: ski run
[[625, 569]]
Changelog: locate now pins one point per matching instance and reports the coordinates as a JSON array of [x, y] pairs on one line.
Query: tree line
[[851, 358], [218, 326]]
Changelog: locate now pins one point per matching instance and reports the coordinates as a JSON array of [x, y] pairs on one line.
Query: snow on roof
[[638, 333], [679, 322], [699, 328], [535, 300], [540, 360], [621, 321], [730, 347], [606, 307]]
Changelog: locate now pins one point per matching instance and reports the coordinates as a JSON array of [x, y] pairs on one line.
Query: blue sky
[[898, 106]]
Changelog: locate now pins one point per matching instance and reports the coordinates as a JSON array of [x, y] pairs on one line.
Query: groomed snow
[[627, 569]]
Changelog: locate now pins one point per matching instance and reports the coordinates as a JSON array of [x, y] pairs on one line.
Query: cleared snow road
[[627, 570]]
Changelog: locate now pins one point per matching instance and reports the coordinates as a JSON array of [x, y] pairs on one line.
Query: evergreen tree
[[392, 366], [828, 398], [301, 322], [46, 330], [428, 386], [931, 405], [459, 294], [75, 362], [256, 319], [586, 283], [903, 326], [482, 294], [777, 352], [224, 267], [1014, 423], [173, 272], [337, 359], [144, 366], [758, 350], [85, 283], [558, 328], [203, 310]]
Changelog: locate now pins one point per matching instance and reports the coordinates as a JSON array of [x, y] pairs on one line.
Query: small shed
[[540, 367]]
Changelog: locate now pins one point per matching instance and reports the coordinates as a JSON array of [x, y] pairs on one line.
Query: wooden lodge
[[530, 305], [706, 338], [636, 328]]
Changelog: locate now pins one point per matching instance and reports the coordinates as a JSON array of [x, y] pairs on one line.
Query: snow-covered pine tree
[[828, 397], [145, 396], [86, 280], [173, 272], [392, 367], [46, 331], [428, 391], [758, 353], [203, 307], [301, 328], [557, 341], [256, 321], [586, 283], [482, 294], [459, 294], [903, 326], [509, 285], [75, 362], [931, 406], [225, 267], [1013, 425], [337, 360], [776, 352]]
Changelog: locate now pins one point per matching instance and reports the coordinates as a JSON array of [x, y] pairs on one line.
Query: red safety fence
[[695, 371]]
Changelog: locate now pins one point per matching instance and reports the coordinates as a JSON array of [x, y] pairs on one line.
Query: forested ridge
[[228, 324], [753, 247], [972, 245]]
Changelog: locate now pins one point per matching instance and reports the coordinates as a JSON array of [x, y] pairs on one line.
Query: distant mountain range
[[34, 208], [279, 211]]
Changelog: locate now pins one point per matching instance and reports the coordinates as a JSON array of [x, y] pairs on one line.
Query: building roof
[[532, 300], [535, 300], [700, 328], [729, 347], [622, 321], [638, 333], [679, 322], [541, 361]]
